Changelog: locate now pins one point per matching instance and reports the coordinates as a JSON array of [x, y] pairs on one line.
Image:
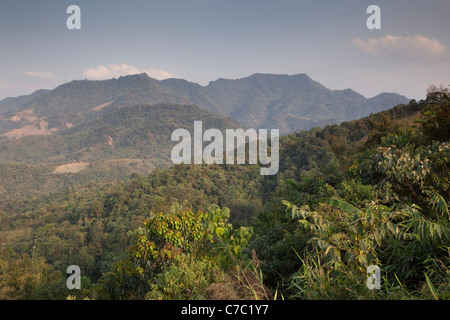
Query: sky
[[203, 40]]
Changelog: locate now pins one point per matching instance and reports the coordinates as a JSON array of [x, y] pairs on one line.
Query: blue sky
[[201, 41]]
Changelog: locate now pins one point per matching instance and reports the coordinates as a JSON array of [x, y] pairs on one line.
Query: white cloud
[[42, 75], [159, 74], [416, 46], [114, 71]]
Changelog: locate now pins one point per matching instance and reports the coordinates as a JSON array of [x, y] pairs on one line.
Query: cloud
[[159, 74], [416, 46], [42, 75], [114, 71]]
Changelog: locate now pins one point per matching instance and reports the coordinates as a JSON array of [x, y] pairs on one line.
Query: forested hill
[[289, 103], [373, 191], [110, 147]]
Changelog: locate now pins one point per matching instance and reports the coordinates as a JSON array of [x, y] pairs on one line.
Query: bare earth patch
[[100, 107], [110, 141], [26, 115], [71, 167], [29, 130]]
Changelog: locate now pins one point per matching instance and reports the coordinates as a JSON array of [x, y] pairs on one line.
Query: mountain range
[[290, 103]]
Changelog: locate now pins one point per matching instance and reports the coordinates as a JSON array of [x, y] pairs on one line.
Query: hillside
[[289, 103], [110, 147], [292, 103]]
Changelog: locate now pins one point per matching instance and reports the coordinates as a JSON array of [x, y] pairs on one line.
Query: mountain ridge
[[288, 102]]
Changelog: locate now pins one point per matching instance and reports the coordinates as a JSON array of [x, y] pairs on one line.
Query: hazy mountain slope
[[290, 103], [14, 104], [83, 96]]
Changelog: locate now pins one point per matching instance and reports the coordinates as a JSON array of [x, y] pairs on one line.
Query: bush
[[186, 278]]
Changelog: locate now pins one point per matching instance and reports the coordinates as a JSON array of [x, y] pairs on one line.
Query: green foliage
[[174, 254], [356, 193], [347, 241], [409, 173], [31, 278], [165, 235], [390, 210], [436, 120], [186, 278]]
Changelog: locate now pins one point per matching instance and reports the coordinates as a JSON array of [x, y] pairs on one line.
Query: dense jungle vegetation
[[373, 191]]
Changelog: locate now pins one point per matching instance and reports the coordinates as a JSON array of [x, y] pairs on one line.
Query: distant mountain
[[289, 103]]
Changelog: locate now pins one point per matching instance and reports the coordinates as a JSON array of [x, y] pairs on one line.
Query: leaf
[[340, 204], [219, 231], [430, 285], [328, 249], [440, 205], [378, 237]]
